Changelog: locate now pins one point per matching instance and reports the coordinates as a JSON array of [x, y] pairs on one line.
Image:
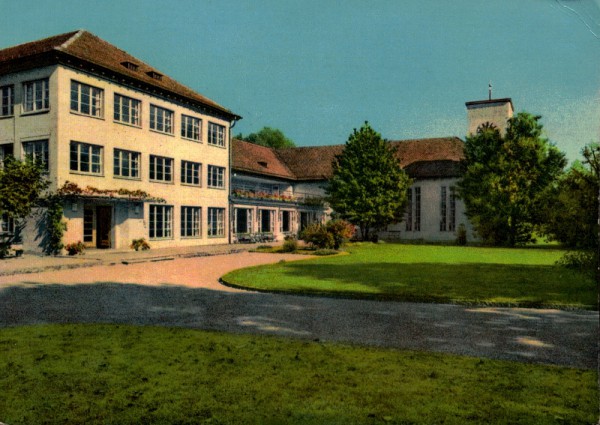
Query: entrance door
[[103, 227]]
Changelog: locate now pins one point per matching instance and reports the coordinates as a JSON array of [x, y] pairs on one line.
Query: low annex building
[[134, 153], [280, 191]]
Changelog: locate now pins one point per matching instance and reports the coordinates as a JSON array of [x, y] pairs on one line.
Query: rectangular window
[[190, 172], [161, 119], [443, 210], [86, 158], [243, 220], [216, 176], [216, 134], [190, 222], [126, 164], [161, 168], [265, 220], [36, 95], [161, 222], [417, 226], [191, 128], [127, 110], [452, 215], [87, 100], [216, 222], [7, 224], [88, 225], [409, 208], [7, 101], [285, 221], [37, 151], [5, 151]]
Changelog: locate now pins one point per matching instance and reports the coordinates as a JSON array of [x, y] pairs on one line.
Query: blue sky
[[316, 69]]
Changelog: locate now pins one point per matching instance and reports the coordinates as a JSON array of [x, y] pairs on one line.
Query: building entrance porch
[[98, 226]]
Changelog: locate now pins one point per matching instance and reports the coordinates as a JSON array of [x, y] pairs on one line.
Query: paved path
[[185, 292]]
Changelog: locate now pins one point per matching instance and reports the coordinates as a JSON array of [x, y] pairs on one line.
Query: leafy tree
[[570, 209], [270, 137], [368, 187], [505, 177], [21, 184]]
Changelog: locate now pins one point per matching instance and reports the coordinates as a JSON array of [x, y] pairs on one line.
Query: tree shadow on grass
[[495, 333], [522, 285]]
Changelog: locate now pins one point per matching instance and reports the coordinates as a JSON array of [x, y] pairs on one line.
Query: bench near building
[[135, 154]]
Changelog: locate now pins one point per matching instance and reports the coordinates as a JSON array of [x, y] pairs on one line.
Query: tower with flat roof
[[493, 111]]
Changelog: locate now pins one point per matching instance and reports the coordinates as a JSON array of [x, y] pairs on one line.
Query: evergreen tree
[[368, 187]]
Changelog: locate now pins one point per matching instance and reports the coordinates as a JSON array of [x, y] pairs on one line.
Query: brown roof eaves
[[81, 49], [258, 160]]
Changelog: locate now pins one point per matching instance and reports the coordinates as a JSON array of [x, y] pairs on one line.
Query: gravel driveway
[[186, 292]]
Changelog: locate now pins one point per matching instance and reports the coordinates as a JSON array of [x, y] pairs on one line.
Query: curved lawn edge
[[347, 295], [406, 298]]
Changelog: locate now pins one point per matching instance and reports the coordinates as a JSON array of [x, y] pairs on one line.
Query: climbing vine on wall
[[55, 226], [72, 189]]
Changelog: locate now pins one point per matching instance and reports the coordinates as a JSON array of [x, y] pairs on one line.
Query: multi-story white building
[[135, 153]]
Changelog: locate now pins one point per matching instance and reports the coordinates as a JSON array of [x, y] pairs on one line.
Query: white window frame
[[216, 177], [216, 134], [94, 155], [7, 224], [87, 100], [127, 110], [36, 95], [191, 173], [160, 222], [216, 222], [191, 219], [124, 160], [161, 169], [191, 128], [7, 100], [37, 150], [161, 119]]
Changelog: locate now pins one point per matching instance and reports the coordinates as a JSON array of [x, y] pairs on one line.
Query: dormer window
[[155, 75], [130, 65], [262, 163]]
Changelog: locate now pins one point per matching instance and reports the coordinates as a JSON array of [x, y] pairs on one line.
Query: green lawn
[[110, 374], [446, 274]]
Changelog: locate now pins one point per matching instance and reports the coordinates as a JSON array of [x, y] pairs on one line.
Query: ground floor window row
[[98, 223], [161, 220], [250, 220]]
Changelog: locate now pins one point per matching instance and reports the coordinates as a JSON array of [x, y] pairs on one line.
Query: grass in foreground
[[426, 273], [110, 374]]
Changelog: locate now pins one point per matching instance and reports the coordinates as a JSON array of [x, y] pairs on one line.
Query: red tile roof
[[256, 159], [86, 48], [422, 158]]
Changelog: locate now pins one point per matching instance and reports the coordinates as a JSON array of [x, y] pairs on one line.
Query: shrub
[[317, 236], [138, 244], [325, 252], [290, 244], [341, 231], [582, 260], [75, 248]]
